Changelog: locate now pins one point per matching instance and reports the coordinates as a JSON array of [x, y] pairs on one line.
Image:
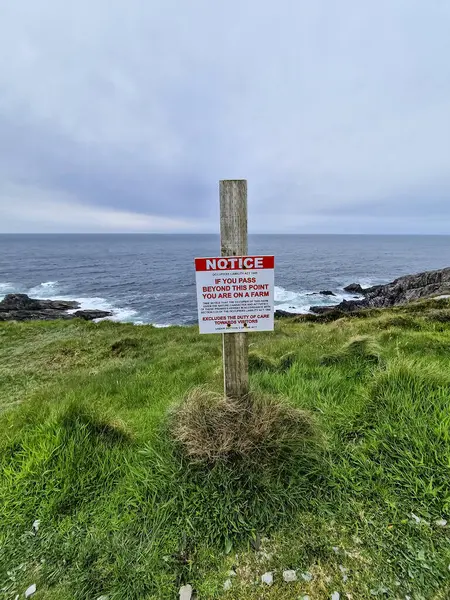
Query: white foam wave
[[43, 290], [120, 314], [289, 300], [300, 302], [48, 290], [282, 295], [6, 288]]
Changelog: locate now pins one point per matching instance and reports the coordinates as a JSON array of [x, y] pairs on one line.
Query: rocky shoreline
[[400, 291], [20, 307]]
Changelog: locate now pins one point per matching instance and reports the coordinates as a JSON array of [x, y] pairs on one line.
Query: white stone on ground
[[30, 591], [267, 578], [227, 585], [418, 520], [36, 525], [335, 596], [307, 576], [441, 522], [232, 573], [186, 592], [289, 576]]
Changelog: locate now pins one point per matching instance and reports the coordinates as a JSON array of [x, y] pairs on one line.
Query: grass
[[86, 450], [359, 350]]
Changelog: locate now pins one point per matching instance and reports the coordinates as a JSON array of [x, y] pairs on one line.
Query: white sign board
[[235, 294]]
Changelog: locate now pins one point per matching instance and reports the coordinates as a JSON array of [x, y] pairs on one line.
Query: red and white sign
[[235, 293]]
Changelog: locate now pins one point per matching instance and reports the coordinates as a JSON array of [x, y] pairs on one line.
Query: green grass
[[85, 449]]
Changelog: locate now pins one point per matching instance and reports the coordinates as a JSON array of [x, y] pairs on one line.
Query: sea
[[146, 278]]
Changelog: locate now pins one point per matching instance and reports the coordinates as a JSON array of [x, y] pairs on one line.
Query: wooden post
[[233, 242]]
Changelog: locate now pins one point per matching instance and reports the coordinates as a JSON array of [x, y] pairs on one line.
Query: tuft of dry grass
[[212, 428]]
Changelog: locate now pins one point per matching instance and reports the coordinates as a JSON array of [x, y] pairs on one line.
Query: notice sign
[[235, 294]]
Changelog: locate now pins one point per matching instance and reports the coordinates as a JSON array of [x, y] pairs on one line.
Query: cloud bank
[[124, 116]]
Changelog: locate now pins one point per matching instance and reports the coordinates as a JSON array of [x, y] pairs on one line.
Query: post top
[[236, 180]]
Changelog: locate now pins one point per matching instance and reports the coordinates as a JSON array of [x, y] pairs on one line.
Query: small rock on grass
[[267, 578], [418, 520], [289, 576], [30, 591], [335, 596], [185, 592], [440, 523], [227, 585], [307, 576]]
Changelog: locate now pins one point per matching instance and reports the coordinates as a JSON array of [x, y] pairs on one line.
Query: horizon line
[[215, 233]]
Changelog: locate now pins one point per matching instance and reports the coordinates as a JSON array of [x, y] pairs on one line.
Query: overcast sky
[[123, 115]]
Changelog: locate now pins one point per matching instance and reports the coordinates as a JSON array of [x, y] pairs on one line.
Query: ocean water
[[150, 278]]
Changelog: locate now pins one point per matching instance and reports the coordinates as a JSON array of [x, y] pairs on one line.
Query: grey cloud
[[331, 110]]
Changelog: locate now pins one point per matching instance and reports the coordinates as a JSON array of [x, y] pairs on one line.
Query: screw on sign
[[235, 291]]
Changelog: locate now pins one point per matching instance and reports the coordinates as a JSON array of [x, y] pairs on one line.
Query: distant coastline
[[150, 278]]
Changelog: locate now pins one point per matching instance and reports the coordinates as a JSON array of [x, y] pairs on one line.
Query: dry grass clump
[[211, 428]]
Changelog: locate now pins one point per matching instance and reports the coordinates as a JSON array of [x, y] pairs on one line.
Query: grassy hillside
[[84, 449]]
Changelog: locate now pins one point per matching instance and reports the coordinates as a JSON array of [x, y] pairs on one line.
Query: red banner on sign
[[235, 263]]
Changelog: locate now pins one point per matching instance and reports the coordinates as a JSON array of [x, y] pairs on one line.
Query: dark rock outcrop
[[23, 302], [327, 293], [91, 314], [284, 314], [344, 307], [20, 307], [354, 288], [401, 291]]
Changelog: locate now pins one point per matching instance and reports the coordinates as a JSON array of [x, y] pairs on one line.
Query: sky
[[123, 116]]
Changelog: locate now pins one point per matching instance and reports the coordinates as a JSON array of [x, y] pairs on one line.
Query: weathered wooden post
[[234, 242], [235, 292]]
